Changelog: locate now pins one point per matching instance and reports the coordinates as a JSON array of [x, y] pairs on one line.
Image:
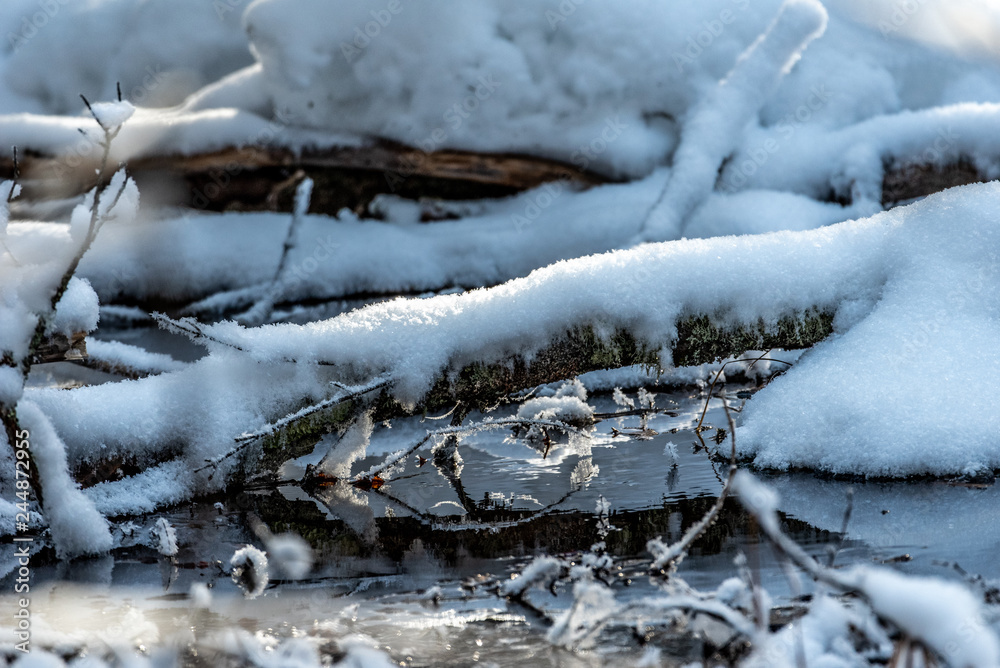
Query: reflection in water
[[431, 533]]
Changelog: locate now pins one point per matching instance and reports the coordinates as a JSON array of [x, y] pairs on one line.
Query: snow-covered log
[[906, 294], [255, 177]]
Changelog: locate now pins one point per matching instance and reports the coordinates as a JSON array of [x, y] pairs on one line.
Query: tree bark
[[257, 178], [58, 348]]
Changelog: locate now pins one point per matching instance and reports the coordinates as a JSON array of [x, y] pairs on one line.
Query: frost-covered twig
[[690, 603], [190, 328], [718, 374], [128, 361], [196, 333], [943, 616], [460, 430], [12, 193], [99, 214]]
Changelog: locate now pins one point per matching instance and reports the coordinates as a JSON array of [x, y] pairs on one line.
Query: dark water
[[378, 551]]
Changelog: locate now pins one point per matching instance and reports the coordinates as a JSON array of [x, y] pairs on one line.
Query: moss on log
[[481, 385]]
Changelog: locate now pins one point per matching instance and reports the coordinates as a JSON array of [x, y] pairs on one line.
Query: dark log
[[909, 181], [260, 178]]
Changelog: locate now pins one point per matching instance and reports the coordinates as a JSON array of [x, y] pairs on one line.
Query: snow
[[124, 356], [737, 126], [77, 311], [200, 596], [11, 385], [541, 572], [568, 404], [248, 568], [160, 51], [505, 77], [913, 276], [944, 615], [819, 635], [290, 554], [164, 537], [76, 525], [112, 115], [592, 604], [716, 123]]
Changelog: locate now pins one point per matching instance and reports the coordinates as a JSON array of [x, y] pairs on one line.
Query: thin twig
[[192, 329], [263, 308], [718, 374], [243, 440], [9, 413], [834, 549], [11, 194], [668, 559]]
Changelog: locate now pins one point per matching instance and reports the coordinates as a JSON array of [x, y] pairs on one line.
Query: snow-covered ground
[[749, 142]]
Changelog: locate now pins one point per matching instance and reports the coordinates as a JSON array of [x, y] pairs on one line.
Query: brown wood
[[58, 348], [254, 177]]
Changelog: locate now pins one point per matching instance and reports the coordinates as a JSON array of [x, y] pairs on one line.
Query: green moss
[[481, 385], [298, 438]]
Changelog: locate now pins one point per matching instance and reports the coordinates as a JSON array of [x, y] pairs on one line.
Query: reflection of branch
[[668, 558], [346, 394], [434, 523], [642, 412], [718, 374], [720, 611], [485, 425]]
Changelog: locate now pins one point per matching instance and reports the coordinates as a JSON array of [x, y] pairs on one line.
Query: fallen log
[[904, 183], [481, 386], [263, 178]]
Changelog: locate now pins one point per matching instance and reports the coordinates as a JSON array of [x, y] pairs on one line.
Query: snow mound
[[502, 75], [905, 386], [77, 311], [945, 615], [159, 50]]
